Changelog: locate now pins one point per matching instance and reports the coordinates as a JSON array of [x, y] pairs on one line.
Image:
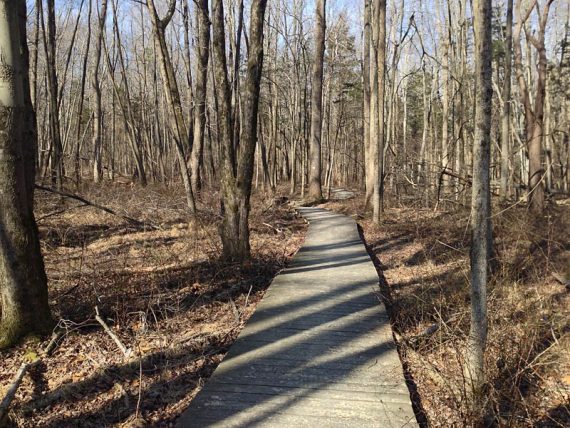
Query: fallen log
[[94, 205]]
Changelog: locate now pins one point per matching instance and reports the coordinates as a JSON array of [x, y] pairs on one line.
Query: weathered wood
[[318, 351]]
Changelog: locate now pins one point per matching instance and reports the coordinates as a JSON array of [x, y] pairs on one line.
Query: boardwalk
[[318, 351]]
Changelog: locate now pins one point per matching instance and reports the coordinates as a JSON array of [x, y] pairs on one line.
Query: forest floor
[[423, 260], [165, 293], [162, 290]]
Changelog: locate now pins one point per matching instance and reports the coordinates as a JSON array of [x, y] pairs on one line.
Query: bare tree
[[237, 165], [506, 113], [178, 123], [56, 148], [481, 200], [203, 51], [379, 57], [315, 191], [96, 85], [534, 114], [368, 163]]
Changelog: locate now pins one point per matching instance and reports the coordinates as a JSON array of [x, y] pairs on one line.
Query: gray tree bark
[[96, 85], [506, 113], [368, 160], [203, 53], [23, 282], [237, 165], [379, 24], [481, 201], [315, 191], [179, 128], [57, 169]]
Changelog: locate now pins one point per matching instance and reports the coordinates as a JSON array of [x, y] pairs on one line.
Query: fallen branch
[[277, 231], [466, 180], [126, 351], [53, 342], [425, 333], [93, 204], [13, 388], [60, 212]]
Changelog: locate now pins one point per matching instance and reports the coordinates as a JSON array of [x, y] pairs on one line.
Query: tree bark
[[203, 53], [506, 113], [379, 42], [368, 161], [481, 202], [179, 128], [97, 109], [23, 282], [237, 168], [534, 114], [315, 191], [54, 126]]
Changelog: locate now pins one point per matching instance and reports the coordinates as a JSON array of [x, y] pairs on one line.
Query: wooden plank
[[257, 407], [318, 351], [330, 393]]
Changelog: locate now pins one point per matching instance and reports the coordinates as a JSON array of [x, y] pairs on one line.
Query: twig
[[53, 342], [123, 348], [271, 227], [246, 300], [9, 397]]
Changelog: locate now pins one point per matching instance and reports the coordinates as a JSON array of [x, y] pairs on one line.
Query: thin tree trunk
[[172, 93], [237, 168], [481, 202], [315, 191], [506, 113], [368, 152], [96, 86], [380, 47], [55, 133], [203, 53]]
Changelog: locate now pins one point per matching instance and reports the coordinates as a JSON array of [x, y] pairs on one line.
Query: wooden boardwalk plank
[[318, 351]]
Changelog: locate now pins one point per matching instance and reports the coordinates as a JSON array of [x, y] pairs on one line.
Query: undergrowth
[[424, 257], [162, 288]]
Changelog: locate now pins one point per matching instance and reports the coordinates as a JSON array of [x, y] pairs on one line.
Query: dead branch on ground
[[95, 205], [126, 351]]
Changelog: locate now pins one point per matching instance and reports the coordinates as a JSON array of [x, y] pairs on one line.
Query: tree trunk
[[534, 115], [203, 53], [23, 282], [481, 202], [237, 168], [179, 128], [55, 133], [379, 42], [315, 191], [506, 113], [97, 110], [368, 161]]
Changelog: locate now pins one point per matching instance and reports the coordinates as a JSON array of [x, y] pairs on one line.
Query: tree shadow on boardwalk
[[318, 362], [318, 351], [316, 338]]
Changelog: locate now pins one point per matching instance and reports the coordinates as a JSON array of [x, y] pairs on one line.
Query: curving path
[[318, 351]]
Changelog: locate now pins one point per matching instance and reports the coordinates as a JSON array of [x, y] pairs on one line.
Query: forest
[[154, 159]]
